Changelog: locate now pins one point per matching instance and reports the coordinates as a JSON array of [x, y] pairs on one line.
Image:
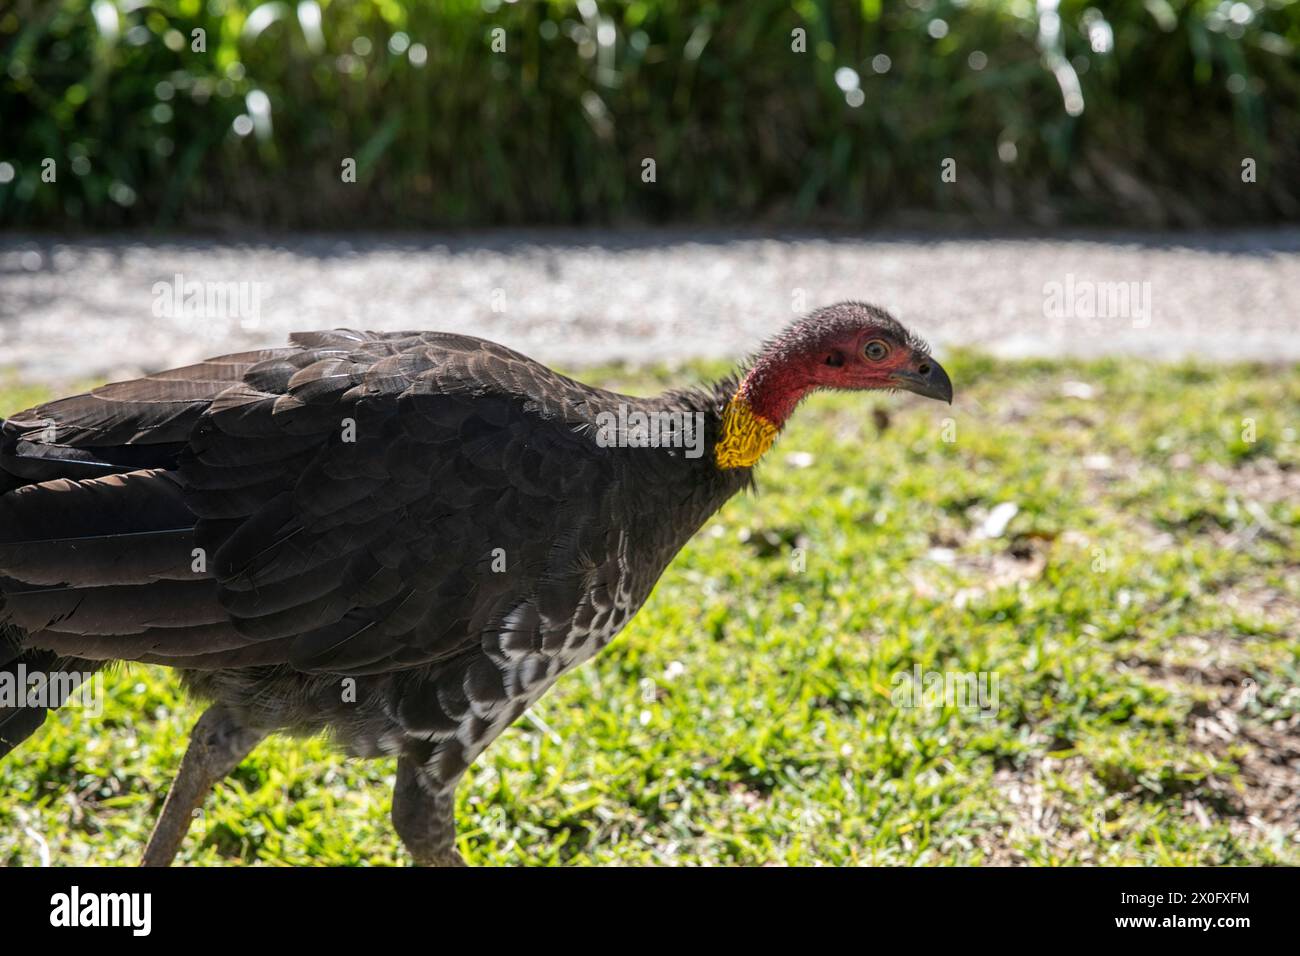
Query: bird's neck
[[756, 411]]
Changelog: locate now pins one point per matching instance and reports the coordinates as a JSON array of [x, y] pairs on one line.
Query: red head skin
[[846, 346]]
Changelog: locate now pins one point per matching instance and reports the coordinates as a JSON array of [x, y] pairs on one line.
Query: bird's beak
[[925, 377]]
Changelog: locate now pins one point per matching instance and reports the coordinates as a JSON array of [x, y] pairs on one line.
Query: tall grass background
[[1138, 112]]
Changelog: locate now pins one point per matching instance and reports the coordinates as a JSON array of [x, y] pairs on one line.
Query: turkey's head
[[857, 346], [851, 345]]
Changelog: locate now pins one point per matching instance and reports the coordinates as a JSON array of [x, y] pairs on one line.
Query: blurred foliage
[[1141, 115]]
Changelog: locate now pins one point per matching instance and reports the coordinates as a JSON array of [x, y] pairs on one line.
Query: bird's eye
[[876, 350]]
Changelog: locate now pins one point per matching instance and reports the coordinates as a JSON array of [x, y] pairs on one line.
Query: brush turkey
[[402, 538]]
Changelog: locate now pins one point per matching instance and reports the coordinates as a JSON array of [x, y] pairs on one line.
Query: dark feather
[[428, 514]]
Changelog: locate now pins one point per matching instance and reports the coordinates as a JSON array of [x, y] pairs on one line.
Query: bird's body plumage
[[403, 538]]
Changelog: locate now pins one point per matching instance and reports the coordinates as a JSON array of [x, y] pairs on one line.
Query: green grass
[[1139, 614]]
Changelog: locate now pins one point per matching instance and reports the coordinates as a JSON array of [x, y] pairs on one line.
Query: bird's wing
[[145, 422], [119, 427], [356, 503]]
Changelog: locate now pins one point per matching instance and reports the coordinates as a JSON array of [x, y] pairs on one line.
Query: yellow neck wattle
[[745, 435]]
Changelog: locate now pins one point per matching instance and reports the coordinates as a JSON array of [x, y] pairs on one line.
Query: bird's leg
[[424, 816], [218, 743]]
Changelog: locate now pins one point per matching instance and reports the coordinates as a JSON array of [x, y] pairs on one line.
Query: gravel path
[[96, 308]]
